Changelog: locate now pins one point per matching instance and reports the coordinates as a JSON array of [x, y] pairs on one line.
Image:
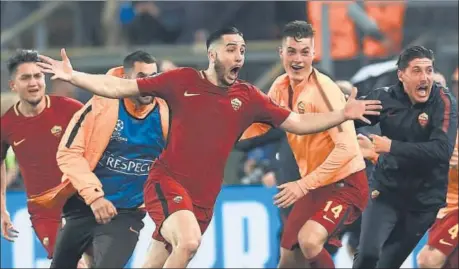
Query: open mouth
[[422, 91], [235, 71], [297, 67]]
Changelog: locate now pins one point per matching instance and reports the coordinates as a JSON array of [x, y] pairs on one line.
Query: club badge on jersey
[[56, 131], [423, 120], [301, 107], [236, 104]]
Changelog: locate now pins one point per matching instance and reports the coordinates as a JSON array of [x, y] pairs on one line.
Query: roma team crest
[[236, 103], [177, 199], [301, 107], [56, 131], [423, 119]]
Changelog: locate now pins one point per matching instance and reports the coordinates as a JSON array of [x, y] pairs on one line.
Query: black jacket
[[415, 172]]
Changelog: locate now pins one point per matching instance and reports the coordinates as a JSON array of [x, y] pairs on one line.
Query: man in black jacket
[[408, 187]]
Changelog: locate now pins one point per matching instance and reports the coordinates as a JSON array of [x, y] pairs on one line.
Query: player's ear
[[12, 85], [400, 75], [211, 55], [280, 51]]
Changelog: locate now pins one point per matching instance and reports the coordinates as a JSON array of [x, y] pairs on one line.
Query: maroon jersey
[[206, 123], [35, 141]]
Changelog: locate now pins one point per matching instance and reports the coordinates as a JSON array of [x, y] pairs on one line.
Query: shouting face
[[29, 82], [417, 79], [228, 58]]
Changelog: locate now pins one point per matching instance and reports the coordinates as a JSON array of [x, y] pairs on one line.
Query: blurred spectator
[[93, 32], [110, 23], [439, 78], [146, 23], [167, 65], [260, 161], [13, 12], [246, 16]]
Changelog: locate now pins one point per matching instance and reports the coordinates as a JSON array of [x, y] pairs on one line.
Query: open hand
[[8, 230], [356, 109], [59, 69], [289, 193]]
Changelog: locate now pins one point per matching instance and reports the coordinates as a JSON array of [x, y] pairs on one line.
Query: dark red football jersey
[[206, 123], [35, 141]]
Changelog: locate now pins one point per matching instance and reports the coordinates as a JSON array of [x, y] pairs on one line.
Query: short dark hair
[[411, 53], [297, 30], [221, 32], [138, 56], [22, 56]]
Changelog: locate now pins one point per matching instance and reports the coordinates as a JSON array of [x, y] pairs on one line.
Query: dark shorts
[[165, 196], [443, 234], [331, 206], [112, 243]]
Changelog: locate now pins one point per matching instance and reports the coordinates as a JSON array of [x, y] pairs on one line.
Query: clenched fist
[[381, 143], [103, 210]]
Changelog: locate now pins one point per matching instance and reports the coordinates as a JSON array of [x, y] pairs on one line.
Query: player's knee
[[311, 244], [422, 260], [312, 238], [429, 259], [189, 246]]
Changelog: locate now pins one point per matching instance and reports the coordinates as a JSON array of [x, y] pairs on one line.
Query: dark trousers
[[389, 234], [112, 244]]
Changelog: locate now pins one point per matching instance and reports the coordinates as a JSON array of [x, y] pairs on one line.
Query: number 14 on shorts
[[334, 209]]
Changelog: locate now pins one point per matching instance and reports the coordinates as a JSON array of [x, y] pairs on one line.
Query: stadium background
[[356, 41]]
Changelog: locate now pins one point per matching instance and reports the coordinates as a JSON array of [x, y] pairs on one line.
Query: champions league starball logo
[[119, 126], [117, 132]]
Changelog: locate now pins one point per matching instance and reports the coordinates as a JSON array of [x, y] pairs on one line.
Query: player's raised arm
[[103, 85], [309, 123]]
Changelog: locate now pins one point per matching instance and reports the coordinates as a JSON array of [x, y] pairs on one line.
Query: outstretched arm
[[309, 123], [103, 85], [110, 86]]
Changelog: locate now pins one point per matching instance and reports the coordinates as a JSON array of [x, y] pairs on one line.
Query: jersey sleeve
[[163, 85], [70, 155], [258, 129], [265, 110]]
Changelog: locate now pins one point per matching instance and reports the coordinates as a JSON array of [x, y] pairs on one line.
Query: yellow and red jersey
[[326, 157]]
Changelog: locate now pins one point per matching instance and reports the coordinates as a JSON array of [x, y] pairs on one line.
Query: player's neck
[[28, 110], [211, 76]]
